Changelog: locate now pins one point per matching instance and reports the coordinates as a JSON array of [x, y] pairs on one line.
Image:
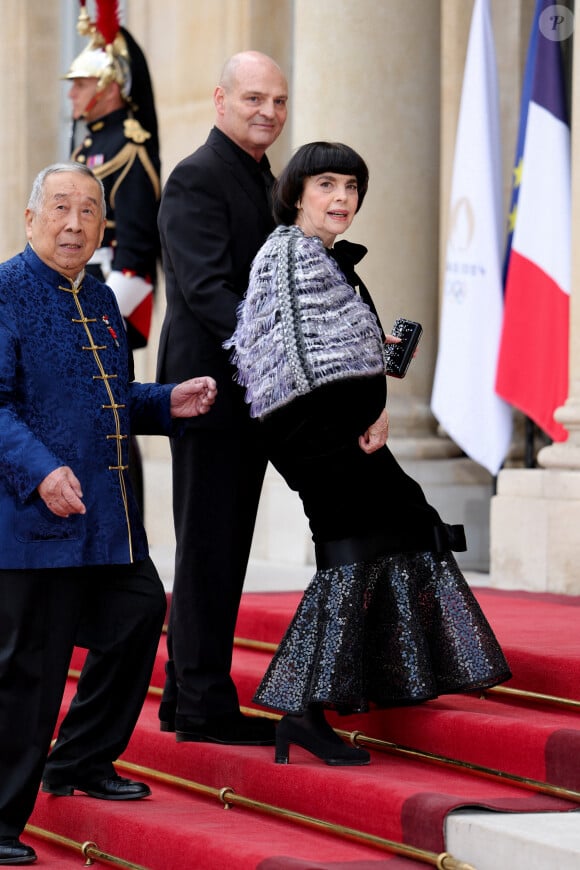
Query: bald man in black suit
[[214, 216]]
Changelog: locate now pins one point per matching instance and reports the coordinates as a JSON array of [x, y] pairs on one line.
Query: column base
[[535, 517]]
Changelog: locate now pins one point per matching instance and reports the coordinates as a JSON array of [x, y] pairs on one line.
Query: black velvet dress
[[388, 618]]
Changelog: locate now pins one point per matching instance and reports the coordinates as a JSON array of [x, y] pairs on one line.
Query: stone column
[[535, 518], [29, 98], [367, 74]]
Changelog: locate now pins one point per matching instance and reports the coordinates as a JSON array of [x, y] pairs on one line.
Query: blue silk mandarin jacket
[[67, 398]]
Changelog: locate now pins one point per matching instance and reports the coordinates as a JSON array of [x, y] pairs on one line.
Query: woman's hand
[[376, 435]]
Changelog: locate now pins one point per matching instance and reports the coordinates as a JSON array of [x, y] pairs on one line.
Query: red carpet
[[397, 798]]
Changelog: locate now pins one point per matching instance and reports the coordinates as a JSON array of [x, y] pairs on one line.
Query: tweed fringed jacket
[[301, 324]]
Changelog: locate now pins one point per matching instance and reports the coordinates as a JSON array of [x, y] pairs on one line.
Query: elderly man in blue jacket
[[73, 550]]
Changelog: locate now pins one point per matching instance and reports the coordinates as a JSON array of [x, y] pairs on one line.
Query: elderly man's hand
[[61, 492], [376, 435], [193, 397]]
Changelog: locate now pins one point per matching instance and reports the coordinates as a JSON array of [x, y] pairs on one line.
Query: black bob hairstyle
[[315, 158]]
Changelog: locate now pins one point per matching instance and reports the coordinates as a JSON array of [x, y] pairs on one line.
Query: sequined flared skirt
[[399, 630]]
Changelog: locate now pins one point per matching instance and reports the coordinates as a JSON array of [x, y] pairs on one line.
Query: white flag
[[464, 400]]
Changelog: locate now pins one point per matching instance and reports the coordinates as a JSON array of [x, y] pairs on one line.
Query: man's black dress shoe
[[232, 728], [114, 788], [12, 851]]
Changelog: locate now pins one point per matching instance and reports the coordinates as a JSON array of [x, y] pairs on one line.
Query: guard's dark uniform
[[123, 155]]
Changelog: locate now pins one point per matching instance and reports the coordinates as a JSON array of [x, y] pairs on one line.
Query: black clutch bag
[[398, 356]]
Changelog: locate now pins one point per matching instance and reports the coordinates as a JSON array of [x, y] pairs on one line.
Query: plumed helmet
[[106, 57], [142, 98]]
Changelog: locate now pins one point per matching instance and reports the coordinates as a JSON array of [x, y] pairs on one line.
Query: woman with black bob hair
[[315, 159], [388, 619]]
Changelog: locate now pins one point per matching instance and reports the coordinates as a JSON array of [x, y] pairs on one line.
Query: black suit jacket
[[213, 218]]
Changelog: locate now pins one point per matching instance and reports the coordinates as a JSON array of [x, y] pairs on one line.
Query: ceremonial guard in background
[[112, 96]]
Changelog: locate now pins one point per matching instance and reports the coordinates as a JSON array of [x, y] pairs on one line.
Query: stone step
[[510, 841]]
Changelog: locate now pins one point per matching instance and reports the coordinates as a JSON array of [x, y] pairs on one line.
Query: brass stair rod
[[525, 695], [358, 737], [88, 850], [228, 797], [444, 860]]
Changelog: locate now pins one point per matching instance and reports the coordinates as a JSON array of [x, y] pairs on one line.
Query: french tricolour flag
[[532, 371]]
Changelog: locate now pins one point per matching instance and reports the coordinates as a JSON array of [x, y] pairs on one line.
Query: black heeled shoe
[[318, 738]]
